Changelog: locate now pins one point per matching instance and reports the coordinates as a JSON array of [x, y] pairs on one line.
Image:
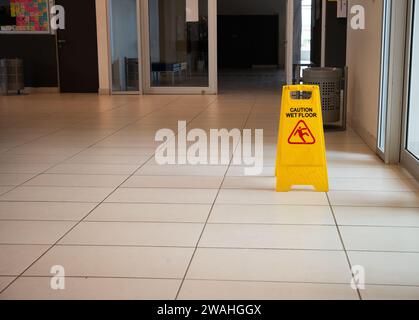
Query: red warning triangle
[[301, 134]]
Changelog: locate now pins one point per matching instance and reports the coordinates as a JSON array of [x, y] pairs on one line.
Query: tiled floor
[[79, 187]]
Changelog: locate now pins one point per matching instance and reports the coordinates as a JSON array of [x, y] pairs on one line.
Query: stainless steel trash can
[[11, 75], [330, 82], [3, 76]]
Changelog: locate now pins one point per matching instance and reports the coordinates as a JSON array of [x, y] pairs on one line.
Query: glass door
[[180, 46], [410, 149], [124, 46]]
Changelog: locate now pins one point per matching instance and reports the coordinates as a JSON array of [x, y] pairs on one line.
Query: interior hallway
[[79, 188]]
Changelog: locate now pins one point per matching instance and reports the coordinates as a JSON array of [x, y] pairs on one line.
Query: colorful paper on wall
[[31, 15]]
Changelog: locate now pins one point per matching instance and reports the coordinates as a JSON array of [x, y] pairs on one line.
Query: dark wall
[[244, 41], [39, 55], [335, 38]]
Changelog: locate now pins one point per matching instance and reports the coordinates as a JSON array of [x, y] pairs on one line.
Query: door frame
[[289, 43], [408, 160], [139, 50], [212, 55], [393, 88]]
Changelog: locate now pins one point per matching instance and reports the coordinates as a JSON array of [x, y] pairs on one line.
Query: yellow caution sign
[[301, 153]]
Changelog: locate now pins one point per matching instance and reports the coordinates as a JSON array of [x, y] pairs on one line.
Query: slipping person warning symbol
[[301, 134]]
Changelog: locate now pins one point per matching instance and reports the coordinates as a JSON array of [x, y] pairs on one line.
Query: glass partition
[[412, 139], [178, 40], [123, 18]]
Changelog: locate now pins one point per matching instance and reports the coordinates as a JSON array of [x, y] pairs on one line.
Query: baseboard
[[42, 90], [367, 137], [104, 92]]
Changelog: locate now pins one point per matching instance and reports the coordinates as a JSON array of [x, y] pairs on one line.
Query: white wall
[[102, 45], [363, 60]]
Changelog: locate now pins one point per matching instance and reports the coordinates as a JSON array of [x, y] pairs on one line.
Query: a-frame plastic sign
[[301, 153]]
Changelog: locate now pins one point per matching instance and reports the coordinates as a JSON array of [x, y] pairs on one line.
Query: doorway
[[179, 46], [77, 48], [251, 44]]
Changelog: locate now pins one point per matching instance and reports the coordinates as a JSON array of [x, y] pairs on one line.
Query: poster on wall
[[25, 15]]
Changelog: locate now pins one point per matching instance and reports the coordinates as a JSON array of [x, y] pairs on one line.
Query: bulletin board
[[24, 16]]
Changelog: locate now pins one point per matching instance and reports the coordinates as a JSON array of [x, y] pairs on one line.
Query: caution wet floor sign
[[301, 153]]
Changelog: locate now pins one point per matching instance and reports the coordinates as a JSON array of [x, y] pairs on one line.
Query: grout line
[[247, 224], [220, 248], [202, 203], [84, 277], [343, 244]]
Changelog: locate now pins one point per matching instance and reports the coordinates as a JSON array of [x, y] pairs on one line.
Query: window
[[306, 30]]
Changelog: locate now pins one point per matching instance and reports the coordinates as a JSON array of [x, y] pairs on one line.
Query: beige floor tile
[[367, 172], [202, 182], [381, 239], [150, 212], [64, 180], [388, 268], [363, 216], [272, 214], [117, 169], [4, 282], [64, 211], [134, 234], [15, 259], [271, 237], [390, 293], [14, 179], [45, 150], [182, 170], [253, 183], [270, 265], [29, 288], [239, 171], [33, 232], [385, 185], [145, 195], [5, 189], [265, 197], [57, 194], [100, 152], [236, 290], [109, 159], [21, 168], [164, 263], [374, 199]]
